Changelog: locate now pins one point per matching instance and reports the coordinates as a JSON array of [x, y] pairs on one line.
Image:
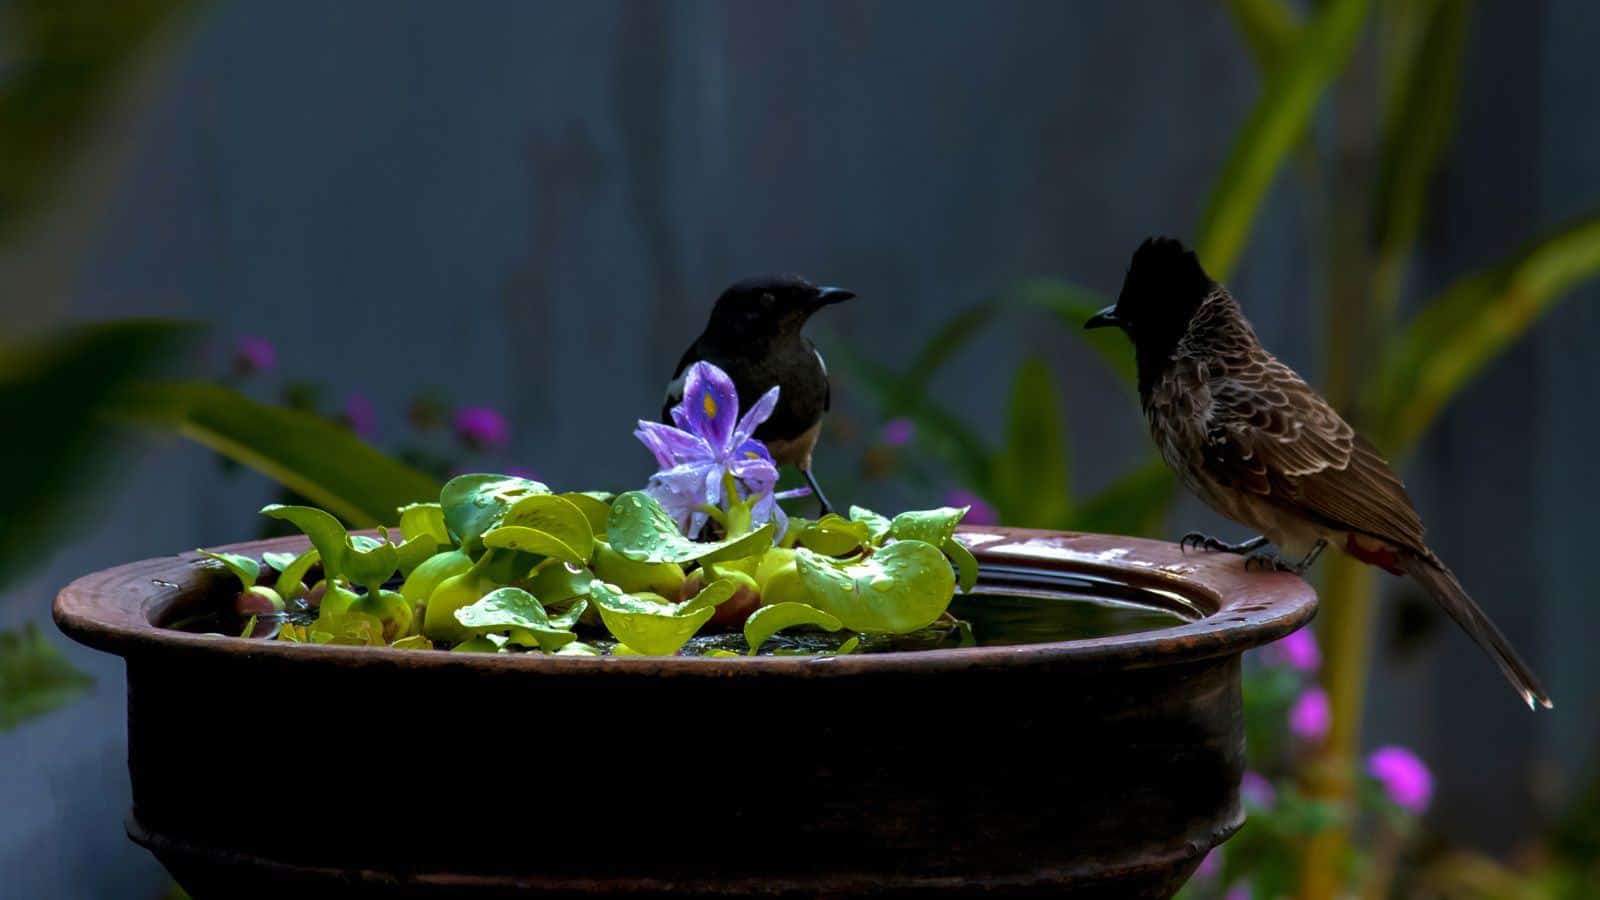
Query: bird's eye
[[767, 300]]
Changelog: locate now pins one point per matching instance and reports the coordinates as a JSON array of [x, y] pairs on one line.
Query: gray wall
[[534, 203]]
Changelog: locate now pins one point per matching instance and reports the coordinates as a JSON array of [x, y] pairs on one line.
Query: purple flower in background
[[1209, 866], [1298, 651], [359, 415], [520, 472], [898, 432], [254, 354], [482, 428], [1240, 891], [1310, 717], [1404, 776], [709, 442], [981, 512], [1257, 791]]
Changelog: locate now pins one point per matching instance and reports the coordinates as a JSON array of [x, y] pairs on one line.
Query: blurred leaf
[[1460, 331], [34, 677], [62, 58], [1138, 503], [1031, 486], [318, 459], [1270, 27], [51, 392], [1418, 125], [1276, 124], [1073, 306]]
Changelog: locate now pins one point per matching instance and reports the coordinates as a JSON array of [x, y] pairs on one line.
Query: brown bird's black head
[[1164, 288], [768, 307]]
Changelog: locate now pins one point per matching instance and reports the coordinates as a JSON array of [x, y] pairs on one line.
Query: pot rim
[[115, 610]]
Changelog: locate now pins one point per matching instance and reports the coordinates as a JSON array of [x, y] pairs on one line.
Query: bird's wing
[[827, 391], [674, 394], [1270, 434]]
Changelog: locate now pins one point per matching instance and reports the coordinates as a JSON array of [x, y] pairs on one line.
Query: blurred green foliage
[[34, 679]]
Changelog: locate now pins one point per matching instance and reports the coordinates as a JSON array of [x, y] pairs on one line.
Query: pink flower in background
[[981, 512], [254, 354], [1239, 891], [482, 428], [1210, 866], [1257, 791], [1311, 716], [1298, 651], [1404, 776], [360, 416], [898, 432]]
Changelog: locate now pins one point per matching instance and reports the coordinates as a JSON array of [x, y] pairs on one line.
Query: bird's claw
[[1269, 561], [1199, 540]]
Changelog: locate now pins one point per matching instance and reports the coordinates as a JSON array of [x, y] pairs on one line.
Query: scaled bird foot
[[1200, 540], [1269, 561]]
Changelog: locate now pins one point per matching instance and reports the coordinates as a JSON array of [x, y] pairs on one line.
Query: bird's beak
[[827, 296], [1104, 318]]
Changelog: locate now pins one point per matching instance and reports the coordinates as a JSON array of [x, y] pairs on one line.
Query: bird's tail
[[1442, 586]]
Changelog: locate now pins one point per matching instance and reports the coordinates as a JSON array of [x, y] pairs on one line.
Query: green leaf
[[646, 626], [930, 526], [484, 643], [1137, 503], [243, 568], [849, 646], [318, 459], [1276, 124], [513, 610], [903, 587], [34, 677], [1417, 129], [1467, 326], [769, 620], [473, 504], [425, 533], [579, 648], [878, 524], [966, 564], [277, 561], [596, 507], [57, 446], [641, 530], [368, 562], [547, 525], [834, 535], [717, 592], [327, 534], [1270, 28], [555, 582], [1031, 487]]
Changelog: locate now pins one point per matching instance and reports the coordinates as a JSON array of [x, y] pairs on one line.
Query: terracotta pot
[[1093, 768]]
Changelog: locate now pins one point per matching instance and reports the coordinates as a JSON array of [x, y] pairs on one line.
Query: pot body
[[1007, 771]]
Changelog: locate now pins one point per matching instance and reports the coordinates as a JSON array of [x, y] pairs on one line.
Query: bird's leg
[[822, 498], [1201, 540], [1272, 562]]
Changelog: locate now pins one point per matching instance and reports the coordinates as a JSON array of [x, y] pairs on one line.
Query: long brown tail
[[1446, 591]]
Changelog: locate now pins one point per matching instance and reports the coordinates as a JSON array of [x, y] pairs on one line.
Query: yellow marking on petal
[[710, 405], [752, 454]]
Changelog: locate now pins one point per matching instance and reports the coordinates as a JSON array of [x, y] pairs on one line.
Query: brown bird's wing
[[1270, 434]]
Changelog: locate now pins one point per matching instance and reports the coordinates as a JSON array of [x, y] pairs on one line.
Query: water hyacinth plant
[[503, 564]]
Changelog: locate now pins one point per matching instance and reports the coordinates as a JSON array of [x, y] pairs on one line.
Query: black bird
[[754, 336], [1260, 446]]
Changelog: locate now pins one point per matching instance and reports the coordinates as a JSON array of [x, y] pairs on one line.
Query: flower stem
[[738, 511]]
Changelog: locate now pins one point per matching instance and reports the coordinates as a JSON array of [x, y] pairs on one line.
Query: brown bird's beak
[[828, 296], [1105, 318]]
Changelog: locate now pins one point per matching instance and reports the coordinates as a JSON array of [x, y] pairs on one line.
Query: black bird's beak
[[1105, 318], [827, 296]]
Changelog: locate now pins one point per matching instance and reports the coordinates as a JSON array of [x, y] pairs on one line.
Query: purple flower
[[1240, 891], [1210, 865], [1310, 717], [1298, 651], [482, 428], [1257, 791], [710, 442], [254, 354], [359, 415], [898, 432], [1404, 776], [981, 512]]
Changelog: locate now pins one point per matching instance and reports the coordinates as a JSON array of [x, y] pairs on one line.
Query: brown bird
[[1261, 447]]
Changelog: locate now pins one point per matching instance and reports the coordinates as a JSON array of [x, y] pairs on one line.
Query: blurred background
[[478, 236]]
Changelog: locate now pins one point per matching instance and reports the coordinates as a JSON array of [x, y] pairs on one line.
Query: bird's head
[[1164, 288], [771, 306]]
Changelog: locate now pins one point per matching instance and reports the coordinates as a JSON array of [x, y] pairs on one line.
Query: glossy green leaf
[[352, 628], [1137, 503], [966, 564], [1031, 485], [596, 507], [1461, 330], [413, 642], [641, 530], [579, 648], [717, 592], [546, 525], [834, 535], [647, 626], [369, 562], [1417, 129], [291, 580], [903, 587], [425, 532], [313, 457], [878, 524], [849, 646], [430, 573], [243, 568], [474, 503], [517, 613], [278, 561], [34, 677], [483, 643], [769, 620], [1276, 125], [530, 540], [327, 533], [931, 526]]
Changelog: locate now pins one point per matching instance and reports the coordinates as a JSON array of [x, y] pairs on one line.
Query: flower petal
[[671, 446], [759, 412], [710, 405]]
